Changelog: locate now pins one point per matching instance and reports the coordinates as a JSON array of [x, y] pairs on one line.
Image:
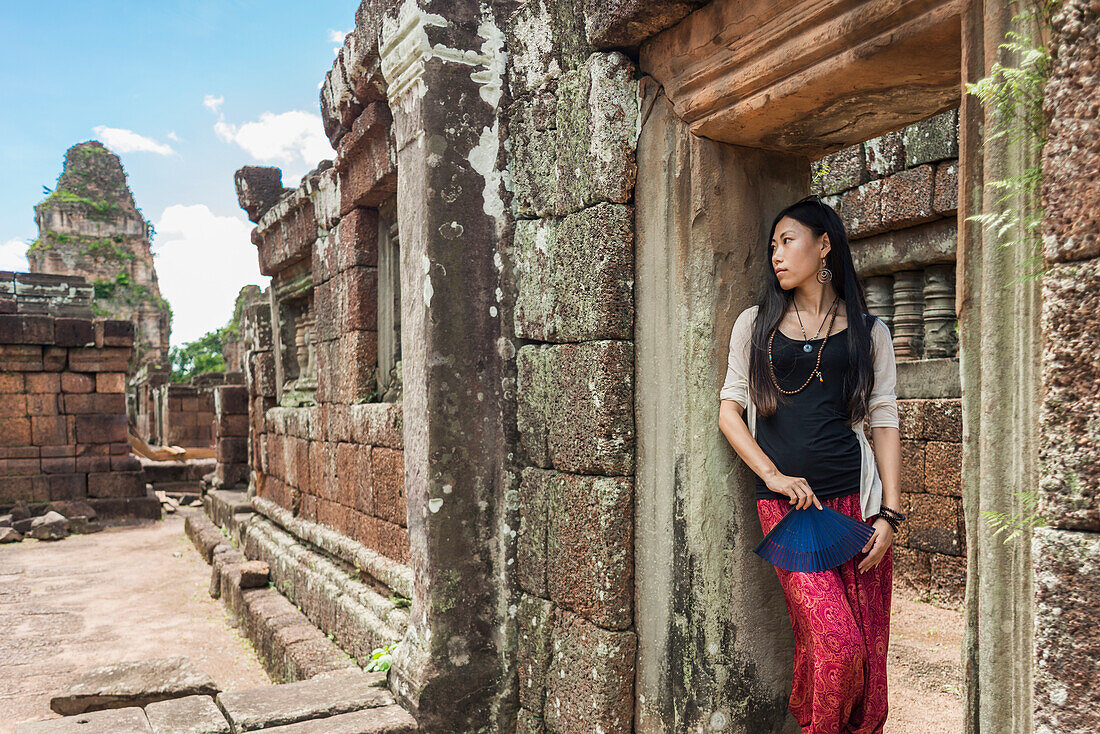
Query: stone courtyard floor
[[140, 591], [128, 593]]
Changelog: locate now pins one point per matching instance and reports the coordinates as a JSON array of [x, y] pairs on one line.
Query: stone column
[[443, 79], [714, 639], [999, 370]]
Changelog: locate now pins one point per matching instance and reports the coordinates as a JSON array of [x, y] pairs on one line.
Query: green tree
[[202, 355]]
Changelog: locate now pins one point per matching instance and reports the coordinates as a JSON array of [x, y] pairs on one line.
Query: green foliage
[[198, 357], [98, 209], [380, 658], [1014, 524], [1014, 96], [399, 601]]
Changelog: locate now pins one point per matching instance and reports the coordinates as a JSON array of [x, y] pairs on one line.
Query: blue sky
[[185, 93]]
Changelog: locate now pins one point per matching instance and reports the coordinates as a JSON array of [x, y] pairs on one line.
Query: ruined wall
[[1066, 552], [62, 405], [897, 194], [89, 226]]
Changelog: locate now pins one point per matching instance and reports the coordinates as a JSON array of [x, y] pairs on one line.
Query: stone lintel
[[870, 68]]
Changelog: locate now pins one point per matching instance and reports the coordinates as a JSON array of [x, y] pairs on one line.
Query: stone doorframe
[[799, 83]]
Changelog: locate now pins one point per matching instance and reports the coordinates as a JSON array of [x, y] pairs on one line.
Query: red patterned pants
[[841, 624]]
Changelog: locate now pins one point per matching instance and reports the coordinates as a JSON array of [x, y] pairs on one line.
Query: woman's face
[[795, 252]]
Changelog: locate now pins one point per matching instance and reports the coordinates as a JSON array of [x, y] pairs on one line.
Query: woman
[[806, 365]]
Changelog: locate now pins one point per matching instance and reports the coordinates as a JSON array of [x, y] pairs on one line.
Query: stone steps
[[346, 702]]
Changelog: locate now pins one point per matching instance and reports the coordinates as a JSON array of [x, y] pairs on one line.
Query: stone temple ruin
[[479, 400], [89, 226]]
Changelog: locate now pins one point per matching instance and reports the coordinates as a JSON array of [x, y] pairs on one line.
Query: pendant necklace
[[807, 348]]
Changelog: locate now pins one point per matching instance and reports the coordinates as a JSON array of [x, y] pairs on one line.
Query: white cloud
[[295, 139], [202, 261], [172, 136], [13, 256], [212, 103], [121, 140], [336, 37]]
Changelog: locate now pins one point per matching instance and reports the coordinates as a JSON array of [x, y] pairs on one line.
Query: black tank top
[[808, 435]]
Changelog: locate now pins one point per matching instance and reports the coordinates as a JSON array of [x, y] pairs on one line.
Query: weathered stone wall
[[89, 226], [1066, 553], [572, 128], [62, 409], [897, 194]]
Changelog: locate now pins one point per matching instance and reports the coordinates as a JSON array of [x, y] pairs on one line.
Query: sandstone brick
[[100, 428], [912, 567], [67, 486], [575, 279], [15, 431], [943, 468], [912, 465], [590, 682], [42, 404], [10, 382], [37, 329], [45, 382], [13, 406], [945, 188], [59, 465], [589, 547], [575, 406], [75, 382], [934, 523], [861, 209], [20, 467], [232, 450], [24, 489], [99, 359], [885, 154], [21, 357], [535, 629], [73, 333], [907, 198], [110, 382], [357, 239], [94, 403], [358, 356], [366, 162], [114, 484], [534, 492], [49, 430], [932, 139], [54, 359], [948, 577], [841, 170], [114, 333], [388, 484], [357, 295]]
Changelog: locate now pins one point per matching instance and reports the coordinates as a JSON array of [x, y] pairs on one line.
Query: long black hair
[[859, 377]]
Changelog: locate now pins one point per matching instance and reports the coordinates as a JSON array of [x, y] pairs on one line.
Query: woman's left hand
[[877, 545]]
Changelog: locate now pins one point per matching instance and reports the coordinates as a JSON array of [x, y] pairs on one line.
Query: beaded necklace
[[815, 371]]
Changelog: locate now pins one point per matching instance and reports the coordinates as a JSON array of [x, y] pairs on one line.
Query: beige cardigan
[[882, 406]]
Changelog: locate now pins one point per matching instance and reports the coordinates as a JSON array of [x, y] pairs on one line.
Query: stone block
[[357, 239], [254, 574], [546, 37], [100, 428], [943, 468], [42, 404], [357, 357], [37, 329], [907, 198], [232, 450], [67, 486], [934, 523], [575, 276], [59, 465], [116, 484], [575, 406], [13, 406], [75, 382], [932, 139], [1069, 451], [269, 706], [1067, 587], [945, 188], [51, 526], [114, 333], [356, 294], [187, 715], [387, 467], [73, 333], [54, 359], [135, 683], [912, 465], [43, 382], [535, 628], [861, 209], [98, 359], [258, 189], [117, 721], [230, 399], [534, 163], [94, 403], [21, 357], [110, 382], [366, 163], [11, 383], [948, 577], [589, 547], [590, 682], [840, 171], [15, 431], [20, 467], [392, 719], [595, 126], [912, 567], [885, 154], [233, 424]]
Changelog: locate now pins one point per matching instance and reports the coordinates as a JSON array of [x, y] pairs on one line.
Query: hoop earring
[[824, 275]]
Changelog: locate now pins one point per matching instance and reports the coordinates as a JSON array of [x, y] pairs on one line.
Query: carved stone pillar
[[940, 337], [879, 292], [908, 314]]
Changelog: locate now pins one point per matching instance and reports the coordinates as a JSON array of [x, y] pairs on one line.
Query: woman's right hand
[[797, 488]]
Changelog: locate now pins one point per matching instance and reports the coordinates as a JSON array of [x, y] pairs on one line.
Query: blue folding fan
[[813, 539]]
